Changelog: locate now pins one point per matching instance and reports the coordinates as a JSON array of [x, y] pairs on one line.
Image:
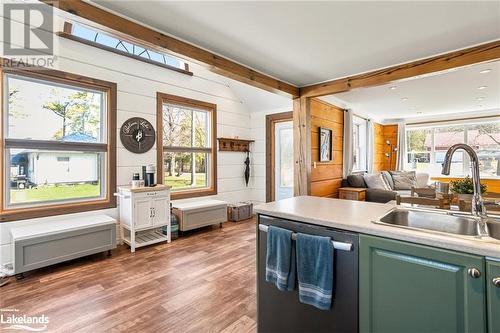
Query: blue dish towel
[[280, 258], [315, 270]]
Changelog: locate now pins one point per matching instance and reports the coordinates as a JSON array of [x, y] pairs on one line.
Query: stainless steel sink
[[494, 228], [432, 221]]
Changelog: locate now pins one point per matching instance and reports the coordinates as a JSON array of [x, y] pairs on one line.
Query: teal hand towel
[[280, 258], [315, 270]]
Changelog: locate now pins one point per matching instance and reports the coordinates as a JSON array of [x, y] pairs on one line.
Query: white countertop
[[357, 216]]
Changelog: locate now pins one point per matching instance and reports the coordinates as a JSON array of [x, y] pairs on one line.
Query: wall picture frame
[[325, 144]]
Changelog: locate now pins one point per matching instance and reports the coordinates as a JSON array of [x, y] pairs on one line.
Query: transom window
[[56, 143], [427, 146], [188, 156], [108, 42]]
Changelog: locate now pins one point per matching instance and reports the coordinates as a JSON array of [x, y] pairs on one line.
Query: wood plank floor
[[203, 282]]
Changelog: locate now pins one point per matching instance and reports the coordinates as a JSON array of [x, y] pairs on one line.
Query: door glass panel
[[286, 156]]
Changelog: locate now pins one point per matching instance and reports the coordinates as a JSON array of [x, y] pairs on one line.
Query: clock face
[[137, 135]]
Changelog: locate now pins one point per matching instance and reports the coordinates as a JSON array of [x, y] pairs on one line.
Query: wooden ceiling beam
[[472, 55], [159, 41]]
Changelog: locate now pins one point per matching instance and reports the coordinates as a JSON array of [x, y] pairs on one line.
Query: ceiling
[[451, 93], [259, 100], [309, 42]]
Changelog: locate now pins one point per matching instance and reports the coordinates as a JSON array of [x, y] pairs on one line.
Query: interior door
[[283, 160]]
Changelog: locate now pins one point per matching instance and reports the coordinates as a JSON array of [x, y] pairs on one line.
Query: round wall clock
[[137, 135]]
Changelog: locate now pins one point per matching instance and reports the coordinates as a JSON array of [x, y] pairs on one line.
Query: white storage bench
[[200, 213], [50, 242]]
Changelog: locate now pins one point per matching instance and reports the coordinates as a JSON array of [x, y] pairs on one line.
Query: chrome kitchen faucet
[[478, 210]]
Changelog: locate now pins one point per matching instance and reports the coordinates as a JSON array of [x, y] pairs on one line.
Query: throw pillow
[[376, 181], [403, 180], [388, 179], [356, 181]]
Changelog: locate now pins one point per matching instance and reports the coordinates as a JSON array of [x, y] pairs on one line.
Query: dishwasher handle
[[336, 245]]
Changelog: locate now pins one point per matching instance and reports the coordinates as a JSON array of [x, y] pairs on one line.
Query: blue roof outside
[[78, 137]]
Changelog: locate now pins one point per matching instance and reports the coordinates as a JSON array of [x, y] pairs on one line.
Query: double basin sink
[[447, 222]]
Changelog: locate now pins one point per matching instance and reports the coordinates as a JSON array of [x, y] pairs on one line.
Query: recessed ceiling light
[[482, 87], [404, 99], [484, 71], [480, 98], [393, 88]]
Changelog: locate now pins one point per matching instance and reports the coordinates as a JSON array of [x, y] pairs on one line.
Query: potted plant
[[464, 188]]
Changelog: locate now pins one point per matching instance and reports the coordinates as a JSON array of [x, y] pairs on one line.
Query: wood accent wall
[[382, 134], [326, 177], [493, 185]]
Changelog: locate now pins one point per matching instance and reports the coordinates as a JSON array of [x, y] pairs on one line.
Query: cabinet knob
[[496, 282], [474, 272]]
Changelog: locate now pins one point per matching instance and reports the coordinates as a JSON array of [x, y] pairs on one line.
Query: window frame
[[431, 127], [10, 213], [362, 149], [162, 98], [68, 34]]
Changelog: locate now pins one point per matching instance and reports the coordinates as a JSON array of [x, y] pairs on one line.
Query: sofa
[[383, 195]]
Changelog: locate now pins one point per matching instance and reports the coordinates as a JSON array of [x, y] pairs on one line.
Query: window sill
[[9, 215], [186, 194]]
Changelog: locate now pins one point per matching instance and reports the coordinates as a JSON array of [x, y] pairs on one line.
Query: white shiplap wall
[[137, 84]]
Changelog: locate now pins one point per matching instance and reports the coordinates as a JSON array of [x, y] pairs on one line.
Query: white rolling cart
[[143, 212]]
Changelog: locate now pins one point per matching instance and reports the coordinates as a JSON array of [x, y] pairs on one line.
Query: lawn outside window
[[187, 132], [58, 152]]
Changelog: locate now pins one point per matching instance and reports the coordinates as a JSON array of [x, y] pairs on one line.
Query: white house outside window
[[56, 142], [427, 146]]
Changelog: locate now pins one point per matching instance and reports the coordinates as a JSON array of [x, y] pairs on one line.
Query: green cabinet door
[[493, 295], [406, 287]]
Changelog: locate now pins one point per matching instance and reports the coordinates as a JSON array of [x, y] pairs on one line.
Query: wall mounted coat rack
[[234, 144]]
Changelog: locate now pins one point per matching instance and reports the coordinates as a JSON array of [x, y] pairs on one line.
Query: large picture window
[[58, 151], [187, 131], [427, 146]]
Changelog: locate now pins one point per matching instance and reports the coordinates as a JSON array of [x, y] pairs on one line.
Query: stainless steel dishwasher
[[281, 311]]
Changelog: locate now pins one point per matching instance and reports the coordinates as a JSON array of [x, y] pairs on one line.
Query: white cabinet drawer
[[151, 194]]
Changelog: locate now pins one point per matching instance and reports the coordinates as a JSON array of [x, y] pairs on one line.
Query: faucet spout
[[477, 208]]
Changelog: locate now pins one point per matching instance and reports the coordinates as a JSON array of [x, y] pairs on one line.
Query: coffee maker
[[148, 174]]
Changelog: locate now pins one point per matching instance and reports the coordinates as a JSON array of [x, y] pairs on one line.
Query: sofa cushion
[[403, 180], [388, 179], [381, 196], [376, 181], [356, 181]]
